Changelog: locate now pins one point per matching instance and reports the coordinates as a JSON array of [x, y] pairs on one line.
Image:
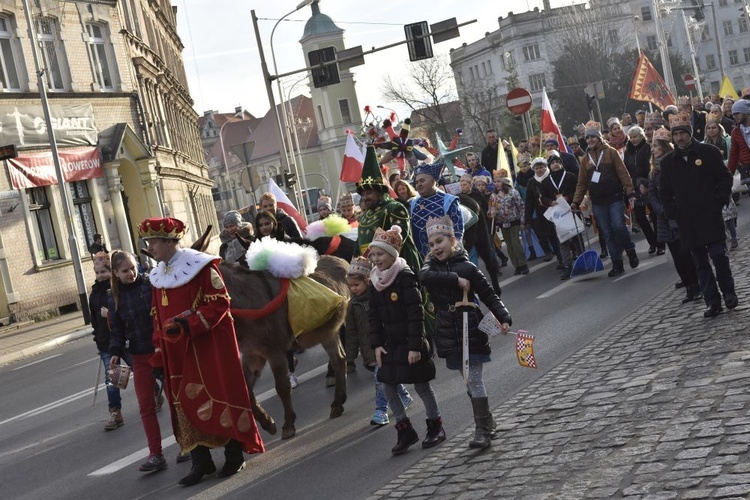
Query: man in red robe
[[196, 347]]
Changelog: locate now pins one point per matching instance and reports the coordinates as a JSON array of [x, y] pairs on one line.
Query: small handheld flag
[[525, 349]]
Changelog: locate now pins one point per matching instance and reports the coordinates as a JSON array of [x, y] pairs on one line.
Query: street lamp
[[637, 42], [293, 163], [226, 166]]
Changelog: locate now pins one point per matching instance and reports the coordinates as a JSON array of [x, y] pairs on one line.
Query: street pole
[[230, 183], [663, 49], [718, 42], [692, 56], [75, 254]]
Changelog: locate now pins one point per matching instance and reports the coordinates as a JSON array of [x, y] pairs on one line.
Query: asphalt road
[[52, 442]]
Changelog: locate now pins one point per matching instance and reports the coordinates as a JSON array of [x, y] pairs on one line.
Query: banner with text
[[37, 169], [25, 127]]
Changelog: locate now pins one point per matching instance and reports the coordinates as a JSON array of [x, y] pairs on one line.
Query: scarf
[[745, 133], [540, 178], [383, 280]]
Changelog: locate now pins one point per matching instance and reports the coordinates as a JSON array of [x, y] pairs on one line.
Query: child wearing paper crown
[[358, 335], [446, 274], [397, 335]]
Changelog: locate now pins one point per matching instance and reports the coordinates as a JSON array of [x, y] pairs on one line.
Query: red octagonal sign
[[518, 101], [689, 81]]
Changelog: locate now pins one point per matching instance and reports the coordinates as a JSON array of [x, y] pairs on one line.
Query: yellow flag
[[513, 151], [727, 89], [502, 157]]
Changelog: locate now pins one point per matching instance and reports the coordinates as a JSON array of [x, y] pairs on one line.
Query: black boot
[[731, 300], [565, 275], [435, 433], [203, 465], [632, 258], [483, 421], [692, 292], [407, 436], [234, 460], [617, 268], [713, 310]]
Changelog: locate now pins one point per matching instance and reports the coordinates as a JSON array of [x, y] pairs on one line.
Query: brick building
[[126, 131]]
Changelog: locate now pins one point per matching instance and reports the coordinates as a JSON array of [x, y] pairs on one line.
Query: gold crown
[[573, 140], [524, 158], [593, 124], [346, 201], [662, 134], [439, 225], [679, 120], [713, 118], [654, 118], [360, 266], [164, 227], [683, 100]]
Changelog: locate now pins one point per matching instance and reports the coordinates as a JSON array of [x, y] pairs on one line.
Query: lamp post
[[284, 118], [692, 54], [637, 42], [663, 49], [226, 166], [296, 146]]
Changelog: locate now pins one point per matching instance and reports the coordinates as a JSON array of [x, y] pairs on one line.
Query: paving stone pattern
[[656, 408]]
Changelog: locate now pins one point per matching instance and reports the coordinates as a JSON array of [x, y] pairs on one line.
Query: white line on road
[[517, 277], [86, 362], [37, 361], [642, 267], [52, 405]]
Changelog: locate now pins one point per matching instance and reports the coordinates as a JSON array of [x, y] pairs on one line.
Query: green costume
[[389, 213]]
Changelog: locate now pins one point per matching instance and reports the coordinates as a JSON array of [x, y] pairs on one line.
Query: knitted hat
[[439, 225], [433, 169], [654, 118], [553, 156], [553, 142], [593, 129], [372, 178], [232, 218], [360, 266], [162, 227], [538, 161], [662, 134], [741, 106], [504, 180], [680, 121], [389, 241], [346, 200], [640, 112], [325, 201]]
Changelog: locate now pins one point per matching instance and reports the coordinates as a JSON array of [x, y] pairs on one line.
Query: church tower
[[336, 106]]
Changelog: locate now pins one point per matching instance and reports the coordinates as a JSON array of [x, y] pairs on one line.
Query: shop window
[[41, 212], [83, 214]]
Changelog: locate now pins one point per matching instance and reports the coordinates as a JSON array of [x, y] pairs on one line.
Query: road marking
[[52, 405], [642, 266], [86, 362], [515, 278], [37, 361]]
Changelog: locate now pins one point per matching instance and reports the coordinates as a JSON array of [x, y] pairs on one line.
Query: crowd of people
[[414, 240]]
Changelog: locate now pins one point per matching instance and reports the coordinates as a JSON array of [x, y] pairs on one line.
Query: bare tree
[[429, 87]]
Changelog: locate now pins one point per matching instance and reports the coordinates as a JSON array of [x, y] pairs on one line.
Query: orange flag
[[649, 86]]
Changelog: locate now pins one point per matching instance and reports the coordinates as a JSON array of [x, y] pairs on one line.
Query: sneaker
[[406, 400], [293, 380], [115, 419], [153, 463], [632, 258], [660, 251], [380, 418]]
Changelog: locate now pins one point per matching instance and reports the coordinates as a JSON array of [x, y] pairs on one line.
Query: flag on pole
[[727, 89], [648, 85], [513, 151], [502, 156], [354, 159], [283, 202], [525, 349], [549, 123]]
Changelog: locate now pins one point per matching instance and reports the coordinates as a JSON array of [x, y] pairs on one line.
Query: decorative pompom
[[393, 116], [316, 230], [282, 259], [367, 108], [348, 131], [335, 224], [396, 228], [459, 131]]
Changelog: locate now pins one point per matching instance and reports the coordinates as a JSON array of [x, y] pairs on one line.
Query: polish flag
[[549, 124], [284, 203], [354, 160]]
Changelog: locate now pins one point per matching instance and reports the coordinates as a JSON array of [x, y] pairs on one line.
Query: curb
[[45, 346]]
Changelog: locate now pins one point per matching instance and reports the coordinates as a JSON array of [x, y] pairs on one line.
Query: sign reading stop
[[689, 81], [518, 101]]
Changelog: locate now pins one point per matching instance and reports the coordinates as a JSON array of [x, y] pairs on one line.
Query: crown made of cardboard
[[360, 266], [593, 124], [346, 201], [481, 178], [162, 227], [524, 158], [684, 100], [324, 201], [573, 140], [713, 118], [662, 134], [679, 120], [439, 225], [654, 118], [611, 121]]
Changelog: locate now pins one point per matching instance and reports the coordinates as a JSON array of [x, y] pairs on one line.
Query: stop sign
[[518, 101], [689, 81]]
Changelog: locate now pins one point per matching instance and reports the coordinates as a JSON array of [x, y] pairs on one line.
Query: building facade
[[123, 121], [525, 45]]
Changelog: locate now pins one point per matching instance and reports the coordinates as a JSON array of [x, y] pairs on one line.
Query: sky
[[222, 61]]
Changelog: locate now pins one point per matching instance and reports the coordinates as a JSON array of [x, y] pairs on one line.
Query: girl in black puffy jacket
[[446, 274]]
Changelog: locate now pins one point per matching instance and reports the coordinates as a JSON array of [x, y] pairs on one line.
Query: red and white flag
[[283, 202], [549, 123], [354, 159]]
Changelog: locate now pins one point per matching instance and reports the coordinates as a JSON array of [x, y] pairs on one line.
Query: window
[[509, 61], [646, 14], [46, 30], [614, 37], [9, 74], [733, 59], [536, 82], [531, 52], [484, 69], [651, 42], [705, 34], [722, 3], [471, 72], [742, 22], [746, 52], [489, 66], [727, 25], [321, 118], [346, 116], [710, 61], [39, 206], [99, 58], [83, 214]]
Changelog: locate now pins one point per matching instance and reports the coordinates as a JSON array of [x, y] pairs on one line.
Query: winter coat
[[739, 152], [698, 122], [441, 281], [510, 208], [288, 224], [570, 162], [723, 144], [131, 325], [357, 333], [397, 325], [613, 179], [99, 298], [694, 192], [533, 207], [232, 248], [638, 161], [666, 230], [566, 186], [478, 235]]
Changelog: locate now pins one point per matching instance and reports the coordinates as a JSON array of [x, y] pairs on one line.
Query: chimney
[[546, 5], [239, 112]]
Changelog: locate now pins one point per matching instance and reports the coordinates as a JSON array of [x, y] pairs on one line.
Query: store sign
[[25, 126], [37, 169]]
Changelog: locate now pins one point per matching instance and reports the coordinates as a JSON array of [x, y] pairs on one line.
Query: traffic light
[[289, 178], [590, 101], [419, 48], [325, 75]]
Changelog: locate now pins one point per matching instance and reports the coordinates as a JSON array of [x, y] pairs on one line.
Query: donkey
[[264, 335]]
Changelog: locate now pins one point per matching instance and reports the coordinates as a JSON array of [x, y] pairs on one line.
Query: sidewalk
[[31, 339], [656, 408]]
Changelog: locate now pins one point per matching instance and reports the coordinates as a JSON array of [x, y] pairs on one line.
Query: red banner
[[648, 86], [37, 169]]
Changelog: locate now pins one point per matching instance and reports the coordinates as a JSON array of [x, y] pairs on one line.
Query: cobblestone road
[[656, 408]]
